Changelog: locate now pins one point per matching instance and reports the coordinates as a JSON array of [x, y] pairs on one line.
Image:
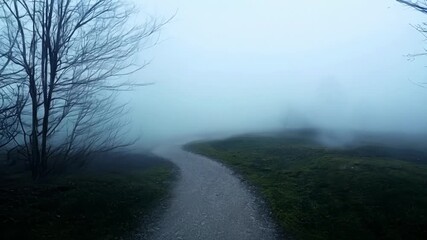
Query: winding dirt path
[[209, 202]]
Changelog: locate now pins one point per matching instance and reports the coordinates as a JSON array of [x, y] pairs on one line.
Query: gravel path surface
[[209, 202]]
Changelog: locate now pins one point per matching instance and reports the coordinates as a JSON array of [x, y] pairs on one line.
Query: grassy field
[[105, 201], [316, 192]]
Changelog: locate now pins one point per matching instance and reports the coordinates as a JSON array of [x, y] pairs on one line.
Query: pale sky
[[248, 65]]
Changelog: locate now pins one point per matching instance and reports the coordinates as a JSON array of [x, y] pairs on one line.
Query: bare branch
[[62, 64]]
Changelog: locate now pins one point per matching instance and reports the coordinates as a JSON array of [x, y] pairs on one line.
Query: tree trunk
[[35, 152]]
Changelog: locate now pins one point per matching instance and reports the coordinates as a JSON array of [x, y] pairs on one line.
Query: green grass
[[100, 205], [321, 193]]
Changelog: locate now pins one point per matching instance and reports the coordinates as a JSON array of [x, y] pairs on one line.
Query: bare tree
[[65, 61], [421, 6], [10, 96]]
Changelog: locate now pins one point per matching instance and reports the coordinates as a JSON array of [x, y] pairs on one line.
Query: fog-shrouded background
[[253, 65]]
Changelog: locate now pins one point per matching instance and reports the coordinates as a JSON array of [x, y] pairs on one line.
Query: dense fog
[[242, 66]]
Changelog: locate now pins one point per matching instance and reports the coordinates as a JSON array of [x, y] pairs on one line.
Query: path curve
[[210, 202]]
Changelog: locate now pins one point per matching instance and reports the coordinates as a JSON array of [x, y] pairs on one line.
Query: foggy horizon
[[254, 66]]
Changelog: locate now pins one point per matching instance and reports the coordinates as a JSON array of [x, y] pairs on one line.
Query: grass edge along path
[[322, 193]]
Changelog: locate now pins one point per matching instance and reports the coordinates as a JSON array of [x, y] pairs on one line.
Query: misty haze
[[129, 119]]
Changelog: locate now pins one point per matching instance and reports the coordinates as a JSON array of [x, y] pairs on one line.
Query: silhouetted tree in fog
[[62, 63], [11, 97], [421, 6]]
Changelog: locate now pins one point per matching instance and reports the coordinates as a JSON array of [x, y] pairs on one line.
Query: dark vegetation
[[358, 191], [105, 200]]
